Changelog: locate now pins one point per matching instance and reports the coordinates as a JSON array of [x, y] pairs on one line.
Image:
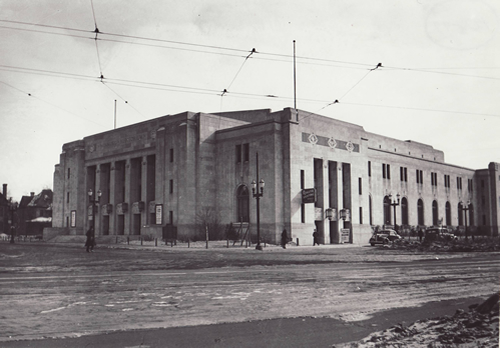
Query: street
[[60, 291]]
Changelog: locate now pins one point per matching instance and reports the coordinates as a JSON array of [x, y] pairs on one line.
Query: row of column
[[127, 188]]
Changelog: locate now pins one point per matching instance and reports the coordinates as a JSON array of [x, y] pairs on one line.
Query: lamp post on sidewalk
[[257, 194], [93, 202], [394, 204], [465, 209]]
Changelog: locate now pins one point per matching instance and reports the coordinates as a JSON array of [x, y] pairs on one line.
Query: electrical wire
[[49, 103], [305, 60], [96, 31], [125, 101], [214, 92]]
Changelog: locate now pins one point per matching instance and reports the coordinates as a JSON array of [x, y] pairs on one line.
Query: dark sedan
[[384, 237]]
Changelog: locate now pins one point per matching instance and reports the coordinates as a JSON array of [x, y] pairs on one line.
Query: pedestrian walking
[[90, 242], [315, 238], [420, 234], [284, 239]]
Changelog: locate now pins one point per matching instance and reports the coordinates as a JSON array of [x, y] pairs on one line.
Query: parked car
[[438, 233], [384, 237]]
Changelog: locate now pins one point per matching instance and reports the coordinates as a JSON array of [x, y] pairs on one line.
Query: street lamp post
[[466, 209], [93, 202], [394, 204], [257, 193], [13, 208]]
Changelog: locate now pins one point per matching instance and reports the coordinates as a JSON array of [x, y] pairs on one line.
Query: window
[[246, 152], [242, 153], [171, 186], [459, 183], [360, 185], [420, 212], [434, 179], [360, 215], [69, 173], [238, 153], [404, 211], [370, 209], [387, 210], [386, 171], [369, 168], [67, 197], [470, 185], [171, 155], [435, 213], [302, 206], [403, 174], [448, 214], [447, 181], [420, 176]]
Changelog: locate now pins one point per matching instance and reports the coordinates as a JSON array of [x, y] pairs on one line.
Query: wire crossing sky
[[423, 70]]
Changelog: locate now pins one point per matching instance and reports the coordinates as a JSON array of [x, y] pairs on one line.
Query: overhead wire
[[214, 92], [304, 59], [124, 100], [194, 90], [49, 103], [336, 101]]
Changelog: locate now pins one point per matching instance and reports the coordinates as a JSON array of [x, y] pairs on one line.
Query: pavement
[[284, 332]]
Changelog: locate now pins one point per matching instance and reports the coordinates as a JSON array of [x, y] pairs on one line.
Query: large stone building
[[319, 173]]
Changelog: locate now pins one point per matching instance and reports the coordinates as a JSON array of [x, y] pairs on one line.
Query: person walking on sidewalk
[[90, 242]]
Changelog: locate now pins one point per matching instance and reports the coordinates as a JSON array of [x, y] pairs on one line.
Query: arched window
[[460, 214], [435, 213], [471, 215], [448, 214], [420, 212], [404, 211], [243, 204], [387, 210]]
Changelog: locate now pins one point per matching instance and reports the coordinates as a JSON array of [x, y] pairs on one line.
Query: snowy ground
[[59, 290]]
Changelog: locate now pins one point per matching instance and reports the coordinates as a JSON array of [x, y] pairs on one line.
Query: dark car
[[384, 237], [438, 233]]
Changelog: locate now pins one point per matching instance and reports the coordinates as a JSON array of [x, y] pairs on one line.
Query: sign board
[[159, 214], [346, 235], [318, 214], [309, 195]]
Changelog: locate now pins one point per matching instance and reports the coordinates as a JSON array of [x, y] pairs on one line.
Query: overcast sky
[[439, 82]]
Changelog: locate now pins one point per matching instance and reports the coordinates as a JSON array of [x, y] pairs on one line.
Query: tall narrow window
[[171, 155], [369, 168], [302, 206], [67, 197], [420, 212], [238, 153], [360, 186], [435, 213], [387, 210], [171, 186], [383, 171], [404, 211], [69, 171], [370, 208], [246, 152], [448, 213], [360, 215]]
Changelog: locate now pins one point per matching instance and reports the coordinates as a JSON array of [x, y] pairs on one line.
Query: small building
[[35, 213], [320, 174]]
